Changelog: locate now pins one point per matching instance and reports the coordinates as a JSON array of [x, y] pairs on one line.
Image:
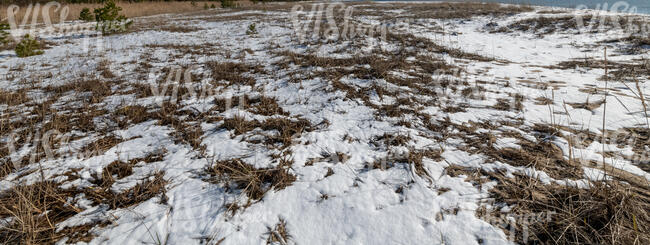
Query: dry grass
[[12, 98], [413, 160], [150, 187], [444, 10], [378, 66], [123, 169], [261, 105], [239, 124], [131, 115], [605, 213], [179, 28], [129, 9], [100, 146], [34, 210], [464, 10], [590, 106], [640, 144], [278, 234], [410, 40], [393, 139], [233, 72], [540, 154], [544, 25], [235, 174], [543, 101], [187, 131], [617, 71], [286, 129], [98, 89]]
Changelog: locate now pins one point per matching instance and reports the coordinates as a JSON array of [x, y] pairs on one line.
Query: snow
[[362, 205]]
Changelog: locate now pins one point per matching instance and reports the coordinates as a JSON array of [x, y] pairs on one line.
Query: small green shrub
[[109, 19], [4, 34], [251, 29], [212, 6], [85, 15], [227, 3], [28, 47]]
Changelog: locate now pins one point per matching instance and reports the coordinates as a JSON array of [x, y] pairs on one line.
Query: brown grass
[[606, 213], [278, 234], [233, 72], [186, 131], [179, 28], [543, 101], [98, 89], [100, 146], [123, 169], [261, 105], [464, 10], [590, 106], [286, 129], [129, 9], [150, 187], [410, 40], [438, 10], [235, 174], [12, 98], [131, 115], [35, 210]]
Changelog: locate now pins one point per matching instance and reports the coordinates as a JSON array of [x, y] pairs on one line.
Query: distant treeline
[[26, 2]]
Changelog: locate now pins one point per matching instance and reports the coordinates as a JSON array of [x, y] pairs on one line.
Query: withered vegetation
[[34, 211], [278, 234], [604, 213], [237, 175]]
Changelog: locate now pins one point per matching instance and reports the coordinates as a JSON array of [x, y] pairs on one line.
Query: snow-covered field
[[198, 128]]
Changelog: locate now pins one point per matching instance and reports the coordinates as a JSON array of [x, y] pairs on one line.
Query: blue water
[[637, 6]]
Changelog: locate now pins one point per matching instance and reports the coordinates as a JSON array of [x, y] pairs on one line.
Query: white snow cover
[[362, 206]]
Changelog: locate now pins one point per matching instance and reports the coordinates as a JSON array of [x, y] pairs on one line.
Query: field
[[131, 9], [380, 123]]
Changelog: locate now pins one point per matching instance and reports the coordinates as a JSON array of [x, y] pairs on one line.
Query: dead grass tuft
[[262, 105], [233, 73], [122, 169], [543, 101], [32, 212], [131, 115], [590, 106], [179, 28], [150, 187], [278, 234], [605, 213], [288, 129], [235, 174], [100, 146], [13, 98], [239, 124], [410, 40]]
